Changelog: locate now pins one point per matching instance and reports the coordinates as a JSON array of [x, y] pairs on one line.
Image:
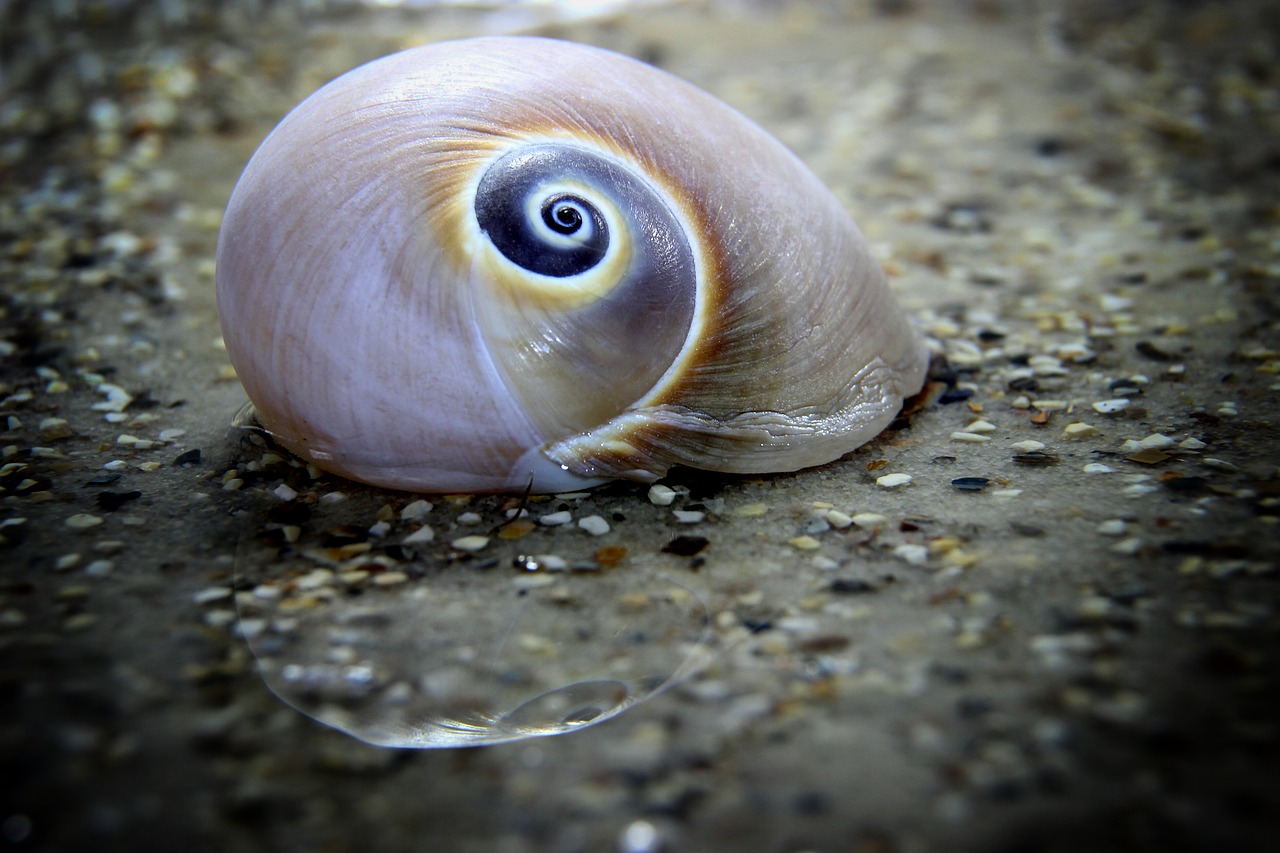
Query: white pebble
[[469, 518], [1079, 429], [688, 516], [1097, 468], [415, 510], [916, 555], [470, 543], [868, 519], [284, 493], [838, 519], [980, 427], [212, 594], [1028, 446], [420, 536], [99, 568], [1112, 527], [892, 481], [555, 519], [1192, 444], [379, 529], [82, 521], [1111, 407], [972, 437], [660, 495], [594, 524]]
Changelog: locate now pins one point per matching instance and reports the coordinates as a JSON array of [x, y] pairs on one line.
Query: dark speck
[[970, 484], [103, 480], [686, 546], [191, 457], [851, 586], [1146, 349], [112, 501], [955, 395]]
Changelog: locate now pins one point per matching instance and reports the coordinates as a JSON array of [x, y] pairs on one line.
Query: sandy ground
[[1077, 650]]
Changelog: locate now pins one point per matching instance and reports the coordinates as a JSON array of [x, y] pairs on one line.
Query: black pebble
[[851, 586], [686, 546], [191, 457], [112, 501], [955, 395], [970, 484]]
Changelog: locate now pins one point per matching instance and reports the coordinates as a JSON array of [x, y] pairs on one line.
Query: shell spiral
[[479, 263]]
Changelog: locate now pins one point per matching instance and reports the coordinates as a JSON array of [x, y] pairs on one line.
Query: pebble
[[804, 543], [980, 427], [594, 524], [868, 519], [420, 536], [1155, 441], [1097, 468], [1112, 527], [555, 519], [82, 521], [1028, 446], [415, 510], [752, 510], [688, 516], [838, 519], [1079, 429], [1111, 407], [971, 437], [660, 495], [471, 519], [892, 481], [470, 543], [284, 492], [916, 555]]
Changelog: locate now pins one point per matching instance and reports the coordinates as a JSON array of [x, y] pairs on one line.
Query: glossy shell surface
[[481, 263]]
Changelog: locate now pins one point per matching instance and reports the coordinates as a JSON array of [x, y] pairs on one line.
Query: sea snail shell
[[479, 263]]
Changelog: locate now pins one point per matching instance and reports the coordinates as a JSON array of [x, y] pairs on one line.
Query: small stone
[[212, 594], [753, 510], [420, 536], [1079, 429], [660, 495], [970, 484], [686, 546], [892, 481], [389, 578], [470, 543], [804, 543], [1097, 468], [414, 511], [1112, 527], [555, 519], [1111, 407], [66, 562], [284, 493], [970, 437], [594, 524], [83, 521], [1148, 456], [916, 555], [980, 427], [838, 519], [1192, 444], [473, 518], [688, 516], [1028, 446], [868, 519]]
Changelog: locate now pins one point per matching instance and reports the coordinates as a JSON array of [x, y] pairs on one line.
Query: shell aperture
[[476, 262]]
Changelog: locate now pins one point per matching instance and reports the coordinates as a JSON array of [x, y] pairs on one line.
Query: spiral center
[[562, 214]]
